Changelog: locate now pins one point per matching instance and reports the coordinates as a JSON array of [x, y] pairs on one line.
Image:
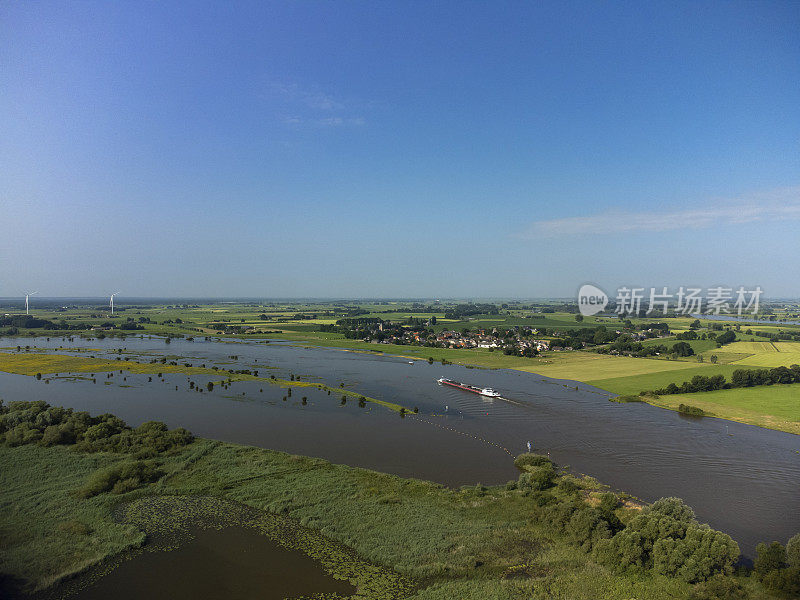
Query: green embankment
[[770, 406]]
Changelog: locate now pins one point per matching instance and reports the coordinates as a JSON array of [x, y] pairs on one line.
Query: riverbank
[[391, 537], [772, 407]]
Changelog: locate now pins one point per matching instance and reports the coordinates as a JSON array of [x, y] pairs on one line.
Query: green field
[[586, 366], [633, 384], [770, 406], [759, 354]]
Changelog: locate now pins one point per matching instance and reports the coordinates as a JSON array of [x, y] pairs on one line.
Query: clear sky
[[398, 149]]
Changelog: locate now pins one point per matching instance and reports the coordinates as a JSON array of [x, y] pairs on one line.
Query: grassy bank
[[74, 500], [770, 406], [416, 539]]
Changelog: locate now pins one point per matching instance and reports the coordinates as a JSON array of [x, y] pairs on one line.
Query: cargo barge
[[469, 388]]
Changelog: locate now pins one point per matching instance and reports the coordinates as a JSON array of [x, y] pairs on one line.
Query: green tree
[[793, 551], [769, 558]]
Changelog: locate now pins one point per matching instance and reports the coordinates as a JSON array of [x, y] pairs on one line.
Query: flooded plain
[[741, 479]]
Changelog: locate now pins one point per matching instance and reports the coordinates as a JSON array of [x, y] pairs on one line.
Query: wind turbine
[[112, 301], [26, 300]]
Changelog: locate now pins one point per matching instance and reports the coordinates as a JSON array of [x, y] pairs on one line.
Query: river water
[[741, 479]]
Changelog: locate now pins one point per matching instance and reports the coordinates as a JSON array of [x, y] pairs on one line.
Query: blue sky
[[398, 149]]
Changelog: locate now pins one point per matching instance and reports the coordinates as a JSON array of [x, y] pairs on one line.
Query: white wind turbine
[[26, 300], [112, 301]]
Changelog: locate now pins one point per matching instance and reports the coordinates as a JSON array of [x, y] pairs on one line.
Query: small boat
[[469, 388], [411, 362]]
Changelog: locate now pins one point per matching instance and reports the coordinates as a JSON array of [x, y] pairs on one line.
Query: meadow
[[765, 354], [770, 406]]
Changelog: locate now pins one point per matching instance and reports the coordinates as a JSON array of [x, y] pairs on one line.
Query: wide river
[[741, 479]]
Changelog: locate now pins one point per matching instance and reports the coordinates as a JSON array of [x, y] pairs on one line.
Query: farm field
[[758, 354], [586, 366], [750, 347], [788, 355]]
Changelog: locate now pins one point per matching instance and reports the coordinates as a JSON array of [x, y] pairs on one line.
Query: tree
[[793, 551], [726, 338], [695, 324], [579, 318], [769, 558]]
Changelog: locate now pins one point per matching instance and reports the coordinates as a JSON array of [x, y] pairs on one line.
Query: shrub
[[627, 398], [32, 422], [587, 526], [666, 538], [769, 558], [22, 434], [537, 478], [608, 503], [528, 460], [53, 435], [793, 551], [701, 553], [688, 409], [567, 485], [718, 587], [120, 478]]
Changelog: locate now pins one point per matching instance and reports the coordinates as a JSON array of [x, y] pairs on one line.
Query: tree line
[[740, 378]]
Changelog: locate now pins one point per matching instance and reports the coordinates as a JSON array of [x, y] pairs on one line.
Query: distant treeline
[[28, 322], [739, 378], [459, 311], [620, 342]]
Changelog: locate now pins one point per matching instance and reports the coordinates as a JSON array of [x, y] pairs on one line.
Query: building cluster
[[519, 338]]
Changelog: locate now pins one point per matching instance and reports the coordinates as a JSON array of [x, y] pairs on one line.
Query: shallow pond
[[234, 563]]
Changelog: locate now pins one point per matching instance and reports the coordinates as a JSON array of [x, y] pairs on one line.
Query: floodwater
[[234, 563], [741, 479]]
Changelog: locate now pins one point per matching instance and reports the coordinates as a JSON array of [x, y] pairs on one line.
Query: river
[[741, 479]]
